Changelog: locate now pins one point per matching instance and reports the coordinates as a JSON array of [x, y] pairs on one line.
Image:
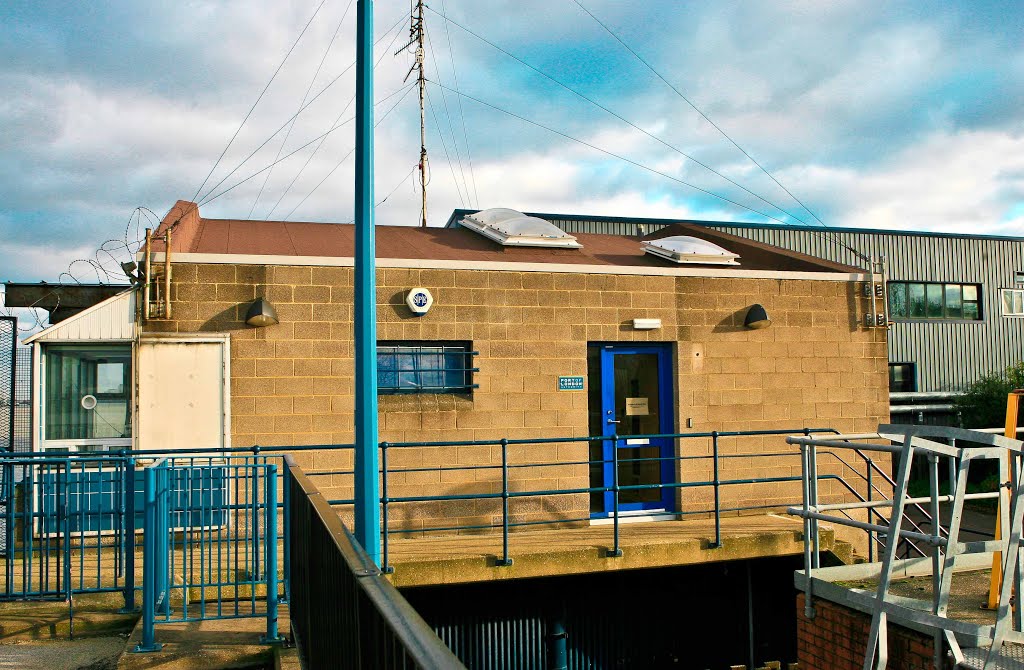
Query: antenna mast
[[416, 36]]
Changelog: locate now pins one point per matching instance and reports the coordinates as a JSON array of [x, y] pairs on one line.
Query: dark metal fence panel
[[8, 351], [344, 613], [8, 405], [23, 399]]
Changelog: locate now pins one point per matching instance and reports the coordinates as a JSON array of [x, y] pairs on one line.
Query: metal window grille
[[425, 367]]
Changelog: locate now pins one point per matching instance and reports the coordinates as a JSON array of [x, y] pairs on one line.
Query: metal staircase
[[992, 646]]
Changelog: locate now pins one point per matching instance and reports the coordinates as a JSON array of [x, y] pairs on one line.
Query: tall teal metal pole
[[367, 517]]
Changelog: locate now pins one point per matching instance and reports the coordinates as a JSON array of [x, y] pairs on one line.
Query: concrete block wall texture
[[292, 383], [837, 637]]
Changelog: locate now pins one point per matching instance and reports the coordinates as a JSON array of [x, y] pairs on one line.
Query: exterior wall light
[[757, 318], [261, 313], [646, 324]]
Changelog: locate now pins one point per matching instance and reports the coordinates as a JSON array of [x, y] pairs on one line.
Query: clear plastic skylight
[[686, 249], [511, 228]]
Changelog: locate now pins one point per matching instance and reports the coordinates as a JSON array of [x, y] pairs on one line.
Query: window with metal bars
[[425, 367]]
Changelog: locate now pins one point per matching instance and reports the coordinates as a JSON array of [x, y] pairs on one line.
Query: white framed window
[[1013, 301]]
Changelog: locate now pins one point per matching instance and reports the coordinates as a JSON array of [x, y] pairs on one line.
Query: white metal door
[[184, 394]]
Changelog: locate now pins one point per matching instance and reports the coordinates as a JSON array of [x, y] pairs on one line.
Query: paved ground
[[100, 653], [36, 635], [206, 645]]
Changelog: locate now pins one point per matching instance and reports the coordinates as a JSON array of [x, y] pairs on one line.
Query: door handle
[[614, 421]]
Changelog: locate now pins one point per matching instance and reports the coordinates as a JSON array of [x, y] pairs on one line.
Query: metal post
[[808, 564], [162, 533], [149, 566], [616, 551], [717, 486], [558, 656], [933, 481], [385, 567], [367, 514], [287, 518], [129, 544], [505, 560], [750, 617], [64, 532], [270, 540], [871, 533], [812, 456]]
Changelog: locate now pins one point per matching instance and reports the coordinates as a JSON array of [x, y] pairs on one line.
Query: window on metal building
[[425, 367], [1013, 302], [902, 377], [934, 301]]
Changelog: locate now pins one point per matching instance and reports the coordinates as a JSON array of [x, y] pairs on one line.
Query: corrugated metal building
[[928, 351]]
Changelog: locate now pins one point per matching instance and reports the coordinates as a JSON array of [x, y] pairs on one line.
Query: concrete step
[[92, 615]]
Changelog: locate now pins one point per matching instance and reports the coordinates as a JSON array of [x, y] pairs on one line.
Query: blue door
[[637, 401]]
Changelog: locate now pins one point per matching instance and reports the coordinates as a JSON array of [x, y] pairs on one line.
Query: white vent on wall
[[686, 249], [511, 228]]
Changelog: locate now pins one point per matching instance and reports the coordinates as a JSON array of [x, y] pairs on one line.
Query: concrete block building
[[527, 333]]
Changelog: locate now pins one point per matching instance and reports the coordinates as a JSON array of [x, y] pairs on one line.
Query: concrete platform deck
[[459, 559], [213, 644]]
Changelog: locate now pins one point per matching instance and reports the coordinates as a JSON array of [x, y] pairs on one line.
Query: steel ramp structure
[[995, 646]]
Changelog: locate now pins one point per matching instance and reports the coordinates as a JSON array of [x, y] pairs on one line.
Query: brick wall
[[292, 383], [837, 638]]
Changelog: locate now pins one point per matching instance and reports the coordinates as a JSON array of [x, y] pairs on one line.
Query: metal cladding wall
[[948, 354]]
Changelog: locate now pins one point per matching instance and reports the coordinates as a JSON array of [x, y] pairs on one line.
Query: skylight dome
[[686, 249], [511, 228]]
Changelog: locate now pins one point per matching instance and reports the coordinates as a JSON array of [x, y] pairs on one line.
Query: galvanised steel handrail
[[343, 610]]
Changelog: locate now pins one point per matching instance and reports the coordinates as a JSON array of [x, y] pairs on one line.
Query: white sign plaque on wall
[[636, 407]]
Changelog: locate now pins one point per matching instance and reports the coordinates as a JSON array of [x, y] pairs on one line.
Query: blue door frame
[[610, 424]]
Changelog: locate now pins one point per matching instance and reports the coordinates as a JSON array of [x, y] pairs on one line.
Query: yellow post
[[1010, 430]]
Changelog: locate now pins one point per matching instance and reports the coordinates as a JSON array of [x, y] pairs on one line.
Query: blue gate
[[211, 542]]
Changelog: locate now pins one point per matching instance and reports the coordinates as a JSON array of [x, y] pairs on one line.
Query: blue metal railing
[[214, 514], [505, 494], [211, 543], [69, 526]]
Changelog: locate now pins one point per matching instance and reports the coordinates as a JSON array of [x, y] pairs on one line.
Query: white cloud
[[962, 182]]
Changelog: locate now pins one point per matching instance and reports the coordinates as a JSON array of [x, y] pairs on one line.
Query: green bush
[[983, 403]]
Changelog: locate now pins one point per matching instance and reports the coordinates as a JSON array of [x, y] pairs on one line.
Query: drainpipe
[[558, 656]]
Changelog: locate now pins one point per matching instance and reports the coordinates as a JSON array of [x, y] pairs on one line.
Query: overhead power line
[[305, 96], [406, 90], [274, 134], [344, 109], [696, 109], [621, 118], [462, 114], [258, 98], [611, 153]]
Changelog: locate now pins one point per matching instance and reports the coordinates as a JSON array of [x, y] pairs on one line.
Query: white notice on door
[[636, 407]]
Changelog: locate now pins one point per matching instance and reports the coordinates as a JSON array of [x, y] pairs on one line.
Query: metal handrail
[[392, 626]]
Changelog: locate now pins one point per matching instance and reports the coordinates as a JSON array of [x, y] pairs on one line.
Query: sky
[[902, 115]]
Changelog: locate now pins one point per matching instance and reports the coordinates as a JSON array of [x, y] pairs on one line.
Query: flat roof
[[193, 234]]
